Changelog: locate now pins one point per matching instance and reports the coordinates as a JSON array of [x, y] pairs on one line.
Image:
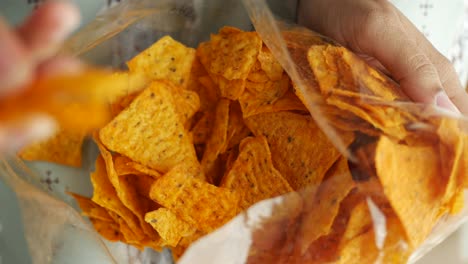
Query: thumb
[[406, 62]]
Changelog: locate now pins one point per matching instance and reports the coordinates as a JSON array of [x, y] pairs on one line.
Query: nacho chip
[[127, 193], [166, 59], [389, 119], [228, 58], [150, 132], [337, 68], [105, 195], [91, 209], [237, 130], [300, 150], [109, 230], [258, 102], [270, 65], [217, 141], [253, 176], [411, 180], [169, 226], [202, 129], [63, 148], [195, 201], [451, 150], [320, 211], [125, 166], [78, 102], [234, 53]]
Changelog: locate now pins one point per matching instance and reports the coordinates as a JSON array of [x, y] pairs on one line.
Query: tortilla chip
[[78, 102], [63, 148], [258, 102], [230, 89], [125, 166], [228, 58], [234, 53], [91, 209], [337, 68], [202, 129], [202, 84], [127, 193], [195, 201], [217, 141], [320, 211], [451, 150], [411, 180], [169, 226], [108, 230], [105, 195], [253, 176], [150, 132], [166, 59], [300, 150], [237, 130], [270, 65], [389, 119]]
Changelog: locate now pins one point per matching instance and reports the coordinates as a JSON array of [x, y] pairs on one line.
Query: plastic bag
[[271, 230]]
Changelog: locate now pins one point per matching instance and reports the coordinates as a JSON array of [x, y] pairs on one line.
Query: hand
[[27, 52], [380, 33]]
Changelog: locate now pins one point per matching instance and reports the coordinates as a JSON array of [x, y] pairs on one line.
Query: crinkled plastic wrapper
[[387, 185]]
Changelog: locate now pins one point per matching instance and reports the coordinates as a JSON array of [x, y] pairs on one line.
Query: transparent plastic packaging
[[312, 225]]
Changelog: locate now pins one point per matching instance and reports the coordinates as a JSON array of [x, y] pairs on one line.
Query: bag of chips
[[234, 144]]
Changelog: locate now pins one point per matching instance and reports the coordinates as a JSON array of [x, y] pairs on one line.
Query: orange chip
[[169, 226], [202, 84], [63, 148], [217, 141], [321, 211], [337, 68], [451, 149], [258, 102], [270, 65], [253, 176], [202, 129], [109, 230], [124, 166], [187, 103], [78, 102], [105, 195], [127, 192], [91, 209], [257, 76], [300, 150], [234, 53], [193, 200], [389, 119], [237, 130], [166, 59], [150, 131], [230, 89], [411, 180]]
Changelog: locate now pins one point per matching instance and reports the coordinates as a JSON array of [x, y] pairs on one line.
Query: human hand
[[382, 35], [28, 52]]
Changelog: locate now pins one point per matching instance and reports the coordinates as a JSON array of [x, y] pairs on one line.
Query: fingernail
[[443, 101]]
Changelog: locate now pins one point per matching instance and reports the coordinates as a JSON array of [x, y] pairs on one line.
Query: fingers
[[47, 27], [15, 67], [16, 135], [456, 99], [385, 38], [60, 65]]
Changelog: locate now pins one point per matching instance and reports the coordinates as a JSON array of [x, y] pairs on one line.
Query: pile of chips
[[203, 134]]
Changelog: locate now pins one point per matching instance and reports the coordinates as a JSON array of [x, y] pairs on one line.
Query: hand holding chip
[[27, 52], [389, 41]]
